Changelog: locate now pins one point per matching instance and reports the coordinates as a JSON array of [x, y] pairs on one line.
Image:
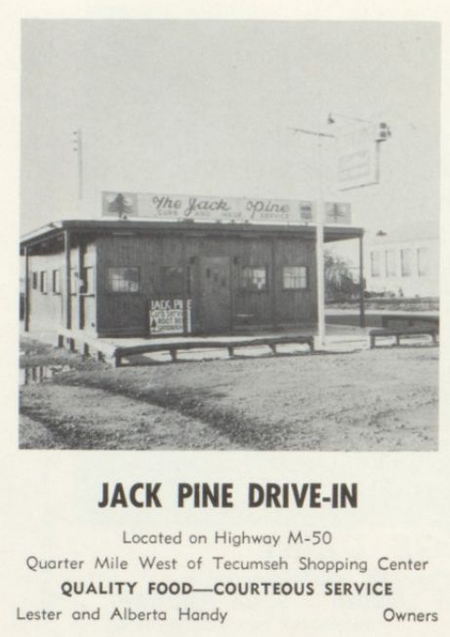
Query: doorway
[[215, 294]]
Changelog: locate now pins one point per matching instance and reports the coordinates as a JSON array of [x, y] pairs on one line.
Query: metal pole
[[362, 315], [26, 308], [319, 251], [67, 277], [320, 220]]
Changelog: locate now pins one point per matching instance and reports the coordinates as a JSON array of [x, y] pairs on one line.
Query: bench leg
[[230, 351], [372, 342], [273, 347], [173, 355], [397, 339]]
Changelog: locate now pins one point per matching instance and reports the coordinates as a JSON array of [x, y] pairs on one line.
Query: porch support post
[[67, 279], [362, 315], [184, 265], [272, 283], [80, 282], [26, 305]]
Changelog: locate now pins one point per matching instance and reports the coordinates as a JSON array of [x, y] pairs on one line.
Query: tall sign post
[[319, 250], [320, 222]]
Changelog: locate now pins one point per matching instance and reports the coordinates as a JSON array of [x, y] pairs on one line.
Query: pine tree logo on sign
[[121, 204]]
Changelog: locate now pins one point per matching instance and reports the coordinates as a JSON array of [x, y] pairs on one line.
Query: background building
[[402, 266]]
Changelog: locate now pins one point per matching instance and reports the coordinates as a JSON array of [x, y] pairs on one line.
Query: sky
[[206, 108]]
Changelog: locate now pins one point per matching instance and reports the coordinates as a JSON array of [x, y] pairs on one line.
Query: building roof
[[111, 226]]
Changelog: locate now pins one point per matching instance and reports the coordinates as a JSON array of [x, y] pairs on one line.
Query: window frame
[[246, 288], [375, 260], [56, 281], [305, 277], [423, 268], [406, 271], [391, 272], [43, 282], [108, 280]]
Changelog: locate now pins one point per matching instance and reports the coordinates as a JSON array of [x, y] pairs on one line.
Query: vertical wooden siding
[[128, 313]]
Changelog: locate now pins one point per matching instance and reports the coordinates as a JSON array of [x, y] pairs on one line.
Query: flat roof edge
[[42, 230], [142, 224]]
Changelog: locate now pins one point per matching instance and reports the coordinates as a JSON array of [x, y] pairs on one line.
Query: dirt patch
[[380, 400], [70, 417]]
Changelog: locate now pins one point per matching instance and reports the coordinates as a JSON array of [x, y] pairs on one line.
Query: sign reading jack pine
[[169, 207]]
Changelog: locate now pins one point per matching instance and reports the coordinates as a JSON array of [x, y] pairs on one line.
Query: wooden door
[[215, 293]]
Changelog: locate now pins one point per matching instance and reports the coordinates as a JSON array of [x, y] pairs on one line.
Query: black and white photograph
[[229, 235], [225, 230]]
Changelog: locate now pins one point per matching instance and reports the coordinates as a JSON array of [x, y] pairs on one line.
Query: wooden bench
[[402, 331], [411, 319], [113, 354], [230, 346]]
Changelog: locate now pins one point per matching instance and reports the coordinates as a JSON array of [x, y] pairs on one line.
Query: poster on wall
[[167, 316], [269, 482]]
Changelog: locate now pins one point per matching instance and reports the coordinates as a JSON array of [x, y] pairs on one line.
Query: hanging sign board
[[357, 156]]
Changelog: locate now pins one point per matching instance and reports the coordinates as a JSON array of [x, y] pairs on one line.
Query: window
[[254, 278], [123, 279], [295, 277], [391, 270], [375, 263], [423, 263], [34, 280], [172, 279], [56, 282], [406, 258], [43, 283]]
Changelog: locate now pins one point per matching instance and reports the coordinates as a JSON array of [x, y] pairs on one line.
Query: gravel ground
[[379, 400]]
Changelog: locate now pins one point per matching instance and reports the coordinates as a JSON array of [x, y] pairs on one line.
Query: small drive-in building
[[147, 277]]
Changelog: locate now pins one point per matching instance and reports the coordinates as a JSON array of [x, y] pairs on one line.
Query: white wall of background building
[[407, 268]]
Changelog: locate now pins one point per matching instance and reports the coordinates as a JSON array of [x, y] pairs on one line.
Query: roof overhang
[[132, 227]]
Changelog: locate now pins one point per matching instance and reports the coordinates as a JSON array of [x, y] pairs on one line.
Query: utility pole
[[78, 148]]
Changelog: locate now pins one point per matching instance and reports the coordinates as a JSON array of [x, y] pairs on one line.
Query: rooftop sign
[[163, 207]]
